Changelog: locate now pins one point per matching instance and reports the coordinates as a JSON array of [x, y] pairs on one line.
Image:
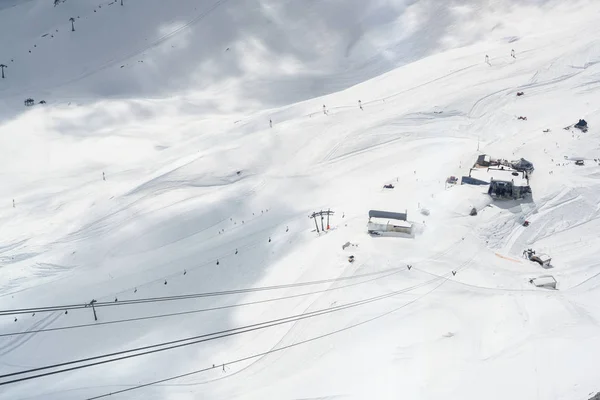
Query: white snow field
[[152, 183]]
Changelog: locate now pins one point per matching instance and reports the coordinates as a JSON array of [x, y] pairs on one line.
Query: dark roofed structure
[[484, 160], [523, 165], [387, 215]]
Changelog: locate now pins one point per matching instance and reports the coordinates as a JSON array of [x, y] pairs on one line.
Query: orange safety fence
[[508, 258]]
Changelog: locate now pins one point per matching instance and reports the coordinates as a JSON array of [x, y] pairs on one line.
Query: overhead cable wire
[[265, 353], [155, 348], [185, 296], [192, 311], [198, 295]]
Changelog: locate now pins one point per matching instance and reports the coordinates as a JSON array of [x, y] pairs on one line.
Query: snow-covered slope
[[248, 54], [164, 178]]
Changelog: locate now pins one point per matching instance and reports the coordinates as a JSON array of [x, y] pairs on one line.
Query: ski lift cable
[[271, 351], [164, 346], [195, 311], [76, 306], [187, 296], [213, 260], [66, 307]]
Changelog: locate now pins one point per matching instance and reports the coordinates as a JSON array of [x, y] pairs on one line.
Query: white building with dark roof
[[382, 222], [504, 182]]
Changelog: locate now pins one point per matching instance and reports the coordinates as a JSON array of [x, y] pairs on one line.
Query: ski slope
[[153, 172]]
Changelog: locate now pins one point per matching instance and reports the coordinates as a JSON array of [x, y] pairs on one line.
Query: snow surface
[[169, 100]]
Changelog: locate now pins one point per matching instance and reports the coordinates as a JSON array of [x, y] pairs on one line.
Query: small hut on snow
[[381, 222]]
